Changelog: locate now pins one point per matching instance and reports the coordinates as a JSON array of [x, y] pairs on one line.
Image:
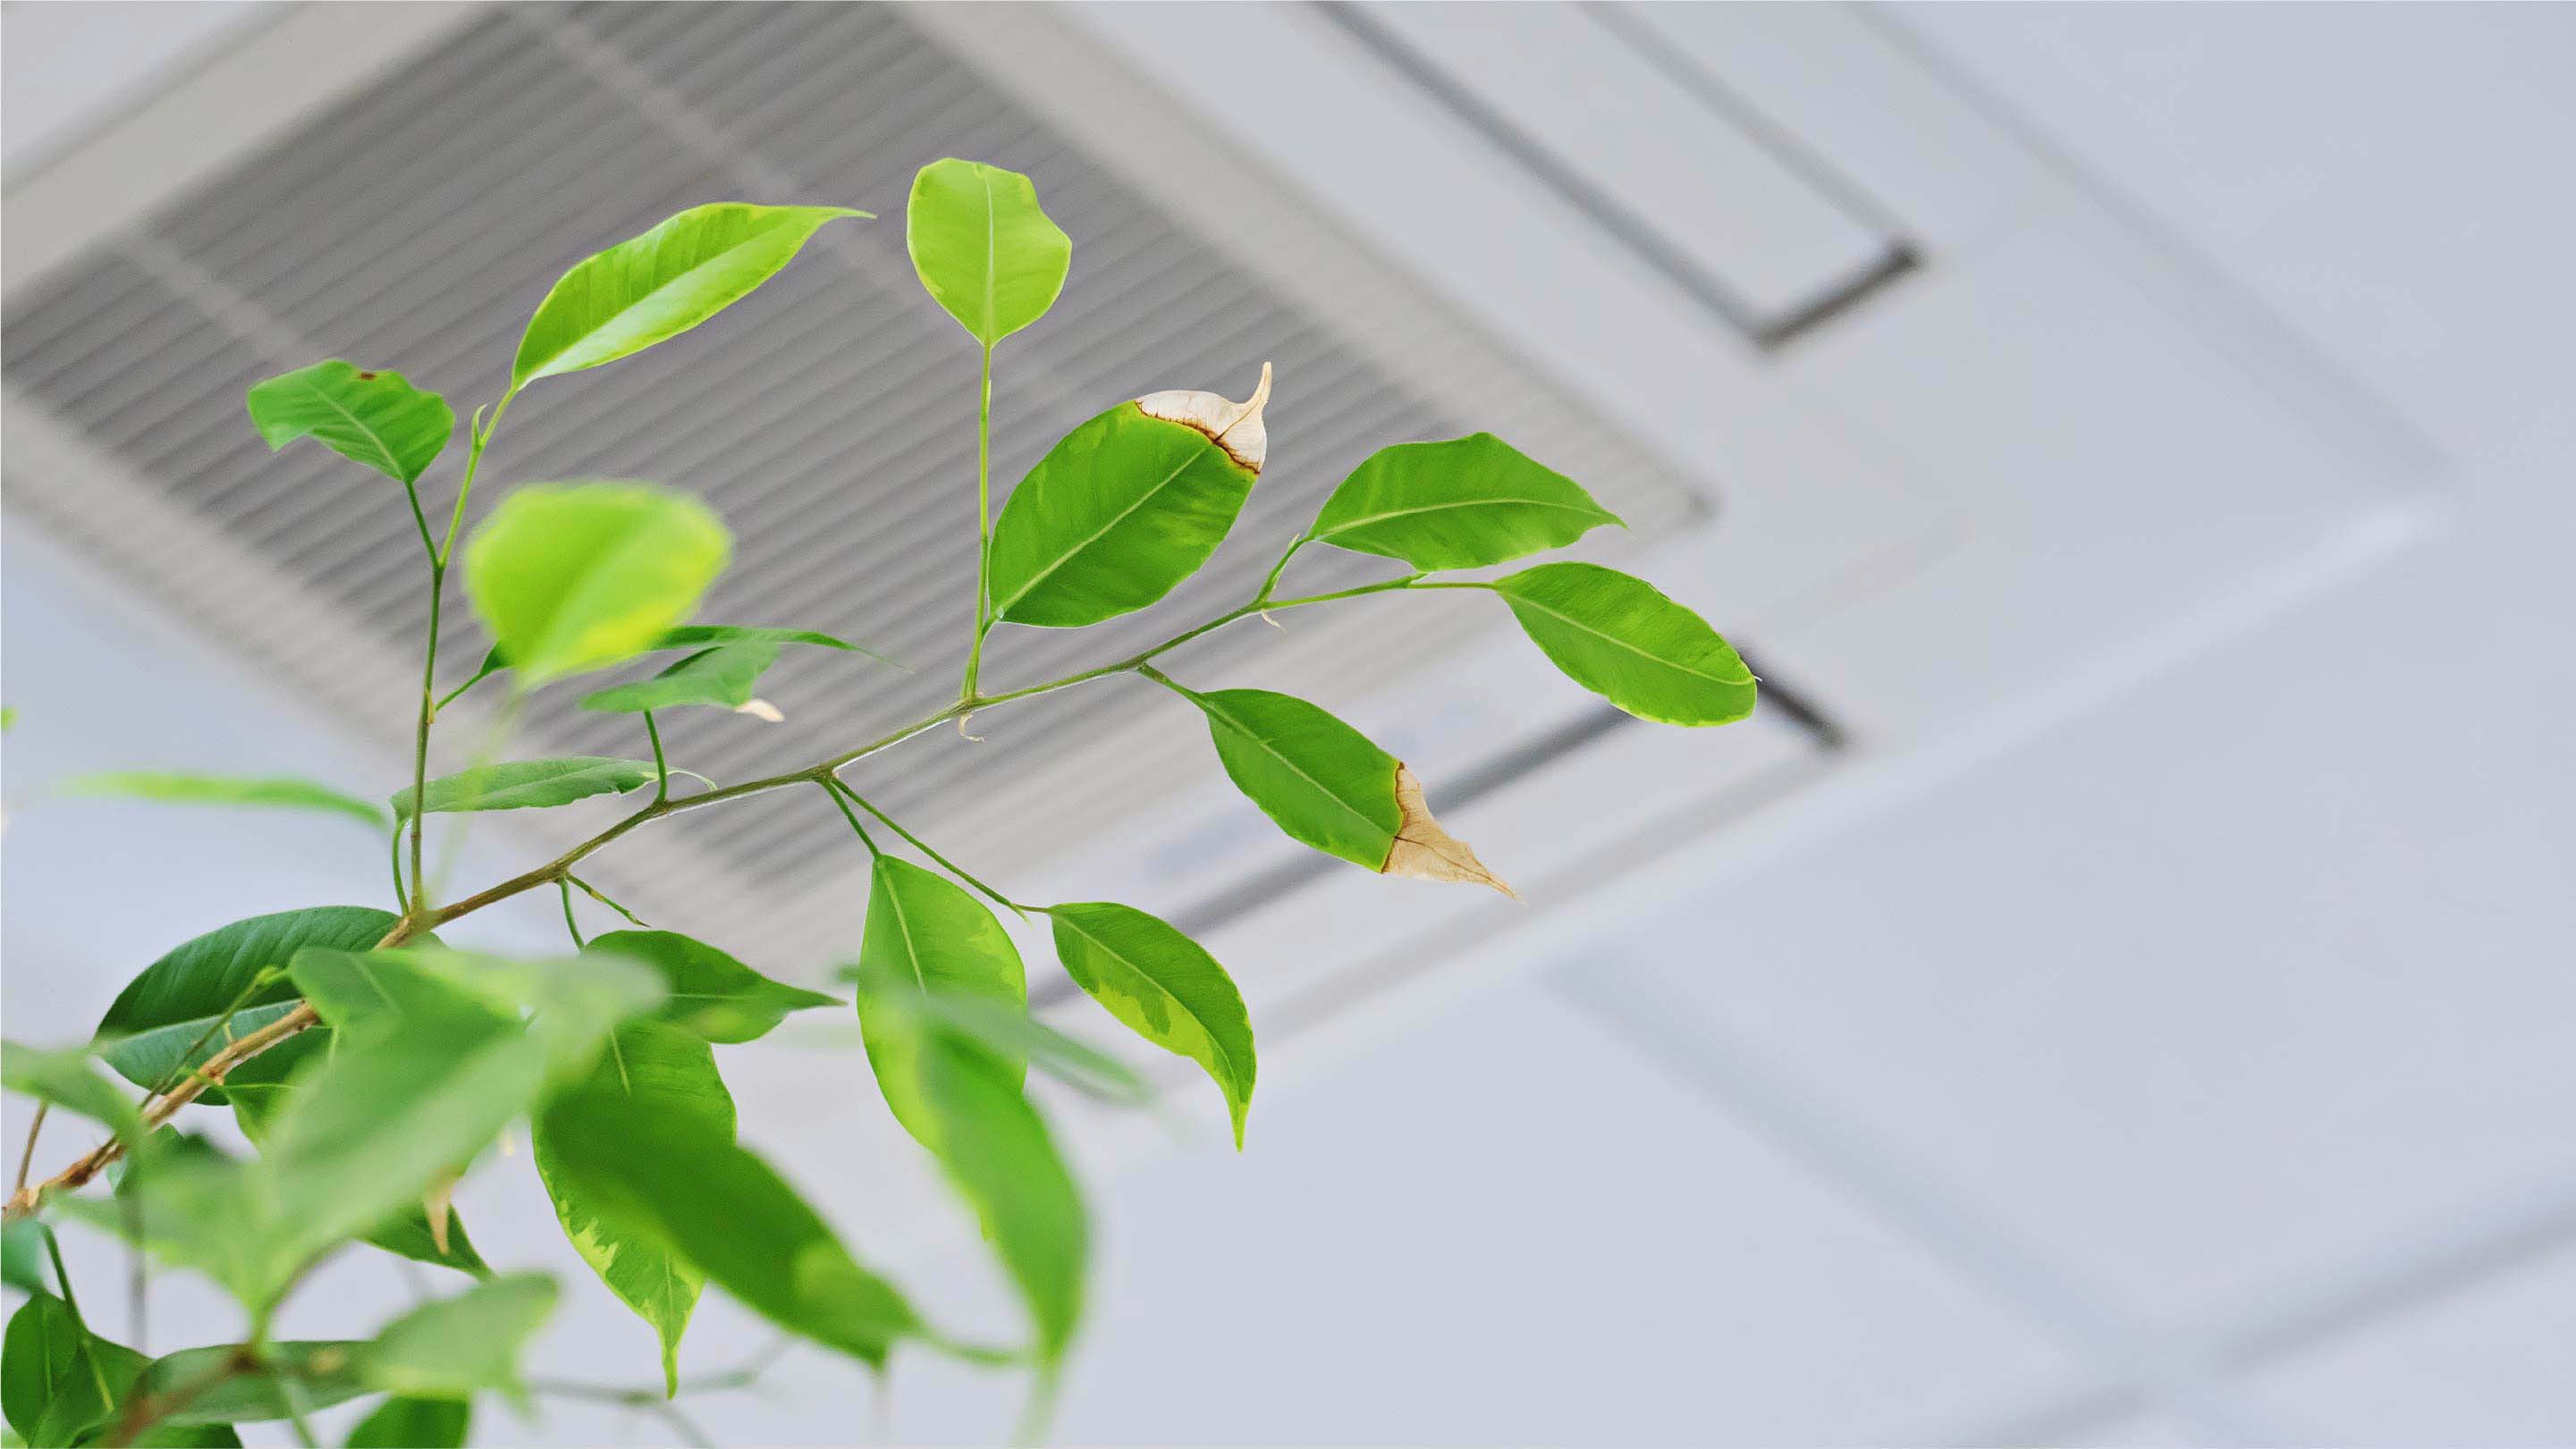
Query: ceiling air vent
[[415, 224]]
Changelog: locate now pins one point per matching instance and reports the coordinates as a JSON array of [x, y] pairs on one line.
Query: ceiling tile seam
[[2171, 1368]]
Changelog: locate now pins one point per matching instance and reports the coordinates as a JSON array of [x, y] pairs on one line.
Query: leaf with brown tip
[[1426, 851]]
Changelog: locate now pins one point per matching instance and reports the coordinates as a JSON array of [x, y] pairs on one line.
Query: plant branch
[[438, 559], [28, 1154], [420, 919], [832, 790], [661, 764], [917, 843]]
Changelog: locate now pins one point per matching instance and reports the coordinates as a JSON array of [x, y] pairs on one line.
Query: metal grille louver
[[828, 419]]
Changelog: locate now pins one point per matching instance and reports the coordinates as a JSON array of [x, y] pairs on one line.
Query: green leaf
[[694, 636], [64, 1077], [275, 792], [650, 1070], [529, 784], [1619, 637], [1165, 987], [926, 931], [571, 577], [44, 1343], [676, 1180], [1009, 1031], [1461, 504], [1124, 507], [164, 1011], [375, 418], [984, 248], [187, 1203], [400, 1423], [23, 1259], [1324, 782], [662, 283], [456, 1347], [999, 1156], [708, 992], [326, 1371], [723, 676], [571, 1003]]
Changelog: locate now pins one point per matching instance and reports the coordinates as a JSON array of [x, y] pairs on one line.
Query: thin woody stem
[[211, 1072]]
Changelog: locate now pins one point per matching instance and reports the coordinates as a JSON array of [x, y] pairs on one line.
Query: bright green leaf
[[325, 1371], [1619, 637], [66, 1078], [375, 418], [1126, 506], [1009, 1031], [1459, 504], [998, 1153], [529, 784], [662, 283], [24, 1263], [185, 789], [722, 676], [984, 248], [649, 1070], [926, 931], [1165, 987], [724, 1210], [571, 1004], [190, 1205], [571, 577], [708, 992], [177, 999], [400, 1423], [457, 1347]]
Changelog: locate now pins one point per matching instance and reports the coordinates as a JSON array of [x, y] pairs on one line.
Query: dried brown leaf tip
[[1424, 851], [1234, 426], [434, 1205]]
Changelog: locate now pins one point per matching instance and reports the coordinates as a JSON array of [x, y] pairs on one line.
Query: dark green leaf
[[1461, 504], [724, 1210], [1165, 987], [709, 992], [925, 931], [722, 676], [67, 1078], [1619, 637], [456, 1347], [662, 283], [698, 636], [164, 1011], [1324, 782], [375, 418], [1125, 507], [24, 1263], [574, 576], [183, 789], [400, 1423], [45, 1342], [983, 247], [530, 784], [657, 1071]]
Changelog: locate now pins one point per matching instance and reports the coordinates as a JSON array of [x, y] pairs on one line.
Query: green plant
[[371, 1062]]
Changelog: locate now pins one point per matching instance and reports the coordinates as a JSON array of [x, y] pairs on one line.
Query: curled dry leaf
[[1234, 426], [1425, 851], [761, 709]]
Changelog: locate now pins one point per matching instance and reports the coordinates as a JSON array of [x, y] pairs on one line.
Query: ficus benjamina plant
[[369, 1056]]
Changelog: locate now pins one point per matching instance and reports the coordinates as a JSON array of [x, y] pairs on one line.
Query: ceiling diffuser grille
[[829, 418]]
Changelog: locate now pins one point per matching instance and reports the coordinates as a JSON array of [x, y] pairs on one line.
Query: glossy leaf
[[727, 1212], [456, 1347], [372, 417], [662, 283], [1324, 783], [1165, 987], [1125, 507], [707, 992], [1459, 504], [275, 792], [983, 247], [177, 999], [723, 676], [575, 576], [529, 784], [1619, 637], [400, 1423], [66, 1077], [649, 1070], [45, 1341], [927, 932]]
